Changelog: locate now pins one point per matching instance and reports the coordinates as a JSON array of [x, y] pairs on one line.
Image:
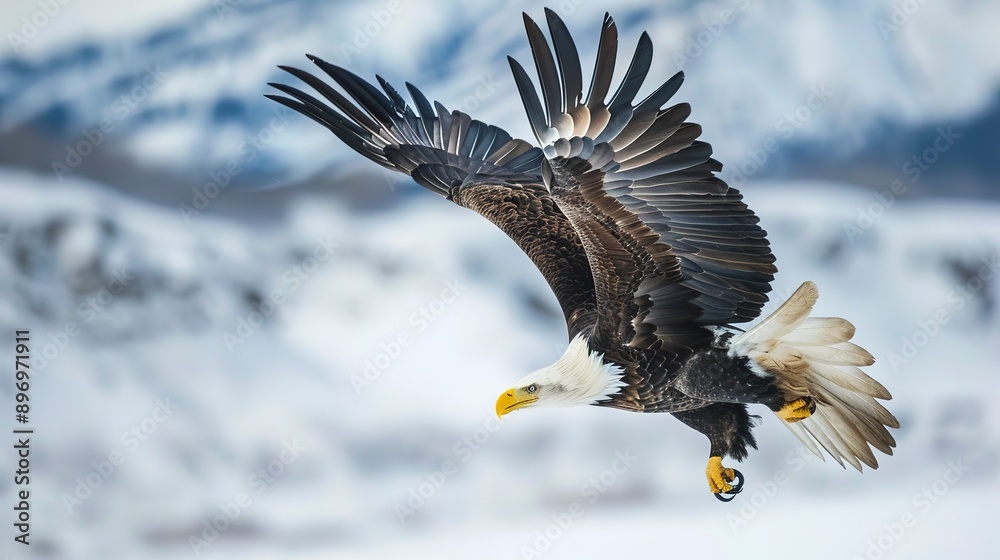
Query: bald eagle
[[652, 257]]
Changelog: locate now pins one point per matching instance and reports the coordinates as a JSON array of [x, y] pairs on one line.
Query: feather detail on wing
[[665, 236], [436, 146], [476, 165]]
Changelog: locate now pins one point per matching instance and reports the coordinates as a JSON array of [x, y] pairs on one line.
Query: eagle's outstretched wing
[[672, 247], [475, 165]]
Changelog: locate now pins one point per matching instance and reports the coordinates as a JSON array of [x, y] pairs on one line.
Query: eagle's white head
[[580, 376]]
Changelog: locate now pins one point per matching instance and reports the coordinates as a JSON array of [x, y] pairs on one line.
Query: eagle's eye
[[532, 388]]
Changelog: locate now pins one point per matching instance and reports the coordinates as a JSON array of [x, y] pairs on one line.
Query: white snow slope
[[160, 411]]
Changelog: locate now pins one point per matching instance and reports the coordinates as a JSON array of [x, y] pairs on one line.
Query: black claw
[[737, 488]]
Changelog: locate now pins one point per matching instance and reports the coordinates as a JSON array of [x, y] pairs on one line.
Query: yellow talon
[[796, 410], [719, 477]]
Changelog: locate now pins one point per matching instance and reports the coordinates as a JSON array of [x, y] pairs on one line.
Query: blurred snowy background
[[226, 369]]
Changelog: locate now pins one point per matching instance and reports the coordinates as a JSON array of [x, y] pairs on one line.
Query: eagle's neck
[[580, 375]]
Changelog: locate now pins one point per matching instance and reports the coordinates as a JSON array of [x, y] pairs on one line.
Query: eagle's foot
[[724, 483], [796, 410]]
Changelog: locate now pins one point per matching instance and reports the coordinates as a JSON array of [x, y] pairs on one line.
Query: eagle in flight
[[652, 257]]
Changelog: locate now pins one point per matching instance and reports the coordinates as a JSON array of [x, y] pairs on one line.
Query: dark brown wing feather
[[673, 248], [476, 165]]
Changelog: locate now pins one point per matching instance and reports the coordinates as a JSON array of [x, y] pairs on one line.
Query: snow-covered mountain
[[180, 88], [357, 356]]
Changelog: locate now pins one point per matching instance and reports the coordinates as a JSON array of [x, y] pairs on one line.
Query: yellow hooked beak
[[513, 399]]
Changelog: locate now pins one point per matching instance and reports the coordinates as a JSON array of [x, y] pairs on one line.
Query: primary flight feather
[[652, 257]]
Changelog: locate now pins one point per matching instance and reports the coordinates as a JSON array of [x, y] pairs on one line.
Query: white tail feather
[[819, 331], [811, 357]]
